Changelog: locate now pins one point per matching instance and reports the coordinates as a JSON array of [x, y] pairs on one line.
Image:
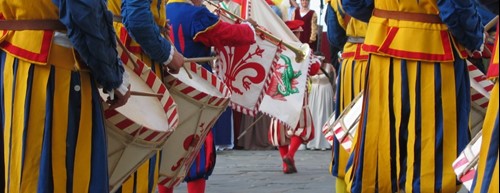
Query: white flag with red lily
[[244, 69], [283, 98]]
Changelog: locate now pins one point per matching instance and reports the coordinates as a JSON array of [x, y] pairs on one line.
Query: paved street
[[241, 171]]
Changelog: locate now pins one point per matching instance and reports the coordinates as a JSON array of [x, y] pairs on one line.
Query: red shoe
[[289, 165]]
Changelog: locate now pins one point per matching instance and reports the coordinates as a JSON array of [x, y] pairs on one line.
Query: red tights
[[196, 186]]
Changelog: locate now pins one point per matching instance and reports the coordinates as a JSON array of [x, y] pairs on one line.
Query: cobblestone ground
[[241, 171]]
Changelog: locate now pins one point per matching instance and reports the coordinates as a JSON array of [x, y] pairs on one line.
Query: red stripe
[[40, 57], [169, 103], [173, 115], [124, 124], [187, 90], [484, 105], [110, 113], [161, 89], [468, 176], [338, 130], [151, 79], [153, 135], [193, 67], [471, 67], [384, 48], [204, 74], [461, 162], [166, 180], [479, 78], [200, 96], [124, 57], [489, 88], [477, 96]]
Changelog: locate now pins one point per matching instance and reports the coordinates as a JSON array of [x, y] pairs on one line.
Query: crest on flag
[[265, 76]]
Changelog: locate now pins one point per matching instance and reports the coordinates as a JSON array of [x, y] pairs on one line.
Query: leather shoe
[[289, 165]]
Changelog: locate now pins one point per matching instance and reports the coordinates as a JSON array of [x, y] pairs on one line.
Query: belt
[[117, 18], [36, 24], [355, 40], [407, 16]]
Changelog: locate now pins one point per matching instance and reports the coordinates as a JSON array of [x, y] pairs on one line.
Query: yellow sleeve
[[314, 27]]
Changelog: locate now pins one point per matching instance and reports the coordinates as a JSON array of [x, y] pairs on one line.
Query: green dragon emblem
[[286, 88], [284, 83]]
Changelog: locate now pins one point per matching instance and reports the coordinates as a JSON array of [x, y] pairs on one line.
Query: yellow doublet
[[430, 41], [29, 45]]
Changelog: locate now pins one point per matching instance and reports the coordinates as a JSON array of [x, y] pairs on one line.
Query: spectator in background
[[310, 27]]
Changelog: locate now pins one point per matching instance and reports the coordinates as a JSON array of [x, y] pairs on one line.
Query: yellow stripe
[[59, 129], [17, 126], [34, 137], [488, 125], [142, 177], [383, 128], [373, 122], [428, 132], [449, 126], [128, 185], [84, 141], [411, 71], [8, 84], [397, 106]]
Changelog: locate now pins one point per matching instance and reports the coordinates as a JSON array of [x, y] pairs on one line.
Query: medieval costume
[[194, 30], [416, 104], [53, 137]]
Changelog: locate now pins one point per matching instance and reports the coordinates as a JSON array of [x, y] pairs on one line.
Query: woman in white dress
[[321, 105]]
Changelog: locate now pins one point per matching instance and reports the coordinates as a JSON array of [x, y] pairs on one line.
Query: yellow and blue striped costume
[[53, 137], [486, 179], [416, 107], [350, 81]]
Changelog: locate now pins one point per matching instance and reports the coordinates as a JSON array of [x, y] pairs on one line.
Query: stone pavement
[[242, 171]]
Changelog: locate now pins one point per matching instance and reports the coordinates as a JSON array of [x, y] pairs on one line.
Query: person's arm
[[463, 22], [139, 22], [209, 30], [314, 27], [359, 9], [91, 32], [336, 33]]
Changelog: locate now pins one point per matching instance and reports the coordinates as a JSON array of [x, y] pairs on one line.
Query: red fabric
[[196, 186], [226, 34], [294, 24], [305, 35], [163, 189], [283, 150], [295, 143], [314, 69]]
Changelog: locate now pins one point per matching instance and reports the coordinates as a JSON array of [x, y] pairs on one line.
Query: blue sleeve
[[335, 33], [139, 21], [91, 31], [359, 9], [463, 22], [203, 19], [485, 14]]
